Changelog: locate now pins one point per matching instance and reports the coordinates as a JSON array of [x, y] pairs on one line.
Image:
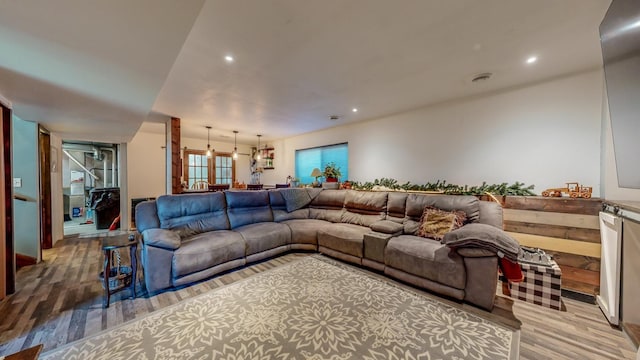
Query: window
[[308, 159], [224, 169], [198, 168]]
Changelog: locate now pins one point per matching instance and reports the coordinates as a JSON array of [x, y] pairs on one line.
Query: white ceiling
[[96, 68]]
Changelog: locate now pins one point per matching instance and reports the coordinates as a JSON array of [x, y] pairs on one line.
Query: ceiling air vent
[[334, 117], [481, 77]]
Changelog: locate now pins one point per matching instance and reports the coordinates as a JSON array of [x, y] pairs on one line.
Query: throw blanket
[[483, 236], [511, 270], [490, 238], [297, 198]]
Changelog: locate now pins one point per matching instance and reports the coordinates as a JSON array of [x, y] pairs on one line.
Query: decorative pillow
[[295, 198], [435, 223]]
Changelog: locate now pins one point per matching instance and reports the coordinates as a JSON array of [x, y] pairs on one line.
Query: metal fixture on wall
[[209, 150], [235, 144], [97, 152], [258, 157]]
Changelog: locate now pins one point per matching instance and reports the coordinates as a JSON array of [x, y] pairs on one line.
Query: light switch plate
[[17, 182]]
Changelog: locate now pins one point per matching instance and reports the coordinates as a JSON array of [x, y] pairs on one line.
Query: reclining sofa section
[[195, 236]]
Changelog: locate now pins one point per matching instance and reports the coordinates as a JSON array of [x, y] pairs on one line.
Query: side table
[[109, 244]]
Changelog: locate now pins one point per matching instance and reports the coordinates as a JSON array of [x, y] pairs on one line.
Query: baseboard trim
[[576, 295], [24, 260]]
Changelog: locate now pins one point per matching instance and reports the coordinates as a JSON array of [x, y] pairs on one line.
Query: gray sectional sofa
[[191, 237]]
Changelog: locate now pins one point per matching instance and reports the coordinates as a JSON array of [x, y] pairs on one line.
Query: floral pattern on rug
[[314, 308]]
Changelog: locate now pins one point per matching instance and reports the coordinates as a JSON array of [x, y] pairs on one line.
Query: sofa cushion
[[435, 223], [417, 202], [334, 216], [264, 236], [190, 214], [276, 200], [283, 215], [162, 238], [387, 227], [364, 207], [248, 207], [490, 213], [147, 216], [328, 205], [396, 206], [279, 208], [427, 259], [345, 238], [206, 250], [305, 231], [329, 199]]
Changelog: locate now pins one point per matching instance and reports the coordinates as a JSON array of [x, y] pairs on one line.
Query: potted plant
[[331, 172]]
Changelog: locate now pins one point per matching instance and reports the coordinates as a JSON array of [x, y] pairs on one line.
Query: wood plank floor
[[60, 300]]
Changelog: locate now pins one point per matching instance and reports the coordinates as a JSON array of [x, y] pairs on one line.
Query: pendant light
[[235, 144], [209, 150], [258, 157]]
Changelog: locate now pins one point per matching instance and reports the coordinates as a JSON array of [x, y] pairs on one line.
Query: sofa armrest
[[161, 238], [387, 227], [485, 237]]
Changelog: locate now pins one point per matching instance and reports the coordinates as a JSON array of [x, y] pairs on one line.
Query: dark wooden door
[[6, 196], [44, 149]]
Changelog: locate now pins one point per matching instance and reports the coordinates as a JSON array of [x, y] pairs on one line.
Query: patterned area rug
[[314, 308]]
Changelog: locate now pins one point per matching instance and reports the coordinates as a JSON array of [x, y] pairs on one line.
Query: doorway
[[90, 188]]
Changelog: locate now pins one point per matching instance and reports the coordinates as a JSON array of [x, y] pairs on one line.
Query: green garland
[[517, 188]]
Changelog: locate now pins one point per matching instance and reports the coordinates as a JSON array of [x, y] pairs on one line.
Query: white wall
[[146, 165], [146, 160], [544, 134], [25, 166]]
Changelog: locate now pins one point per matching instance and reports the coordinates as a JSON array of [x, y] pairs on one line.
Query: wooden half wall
[[566, 228]]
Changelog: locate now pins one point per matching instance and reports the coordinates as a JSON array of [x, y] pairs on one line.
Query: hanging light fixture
[[258, 157], [235, 144], [209, 150]]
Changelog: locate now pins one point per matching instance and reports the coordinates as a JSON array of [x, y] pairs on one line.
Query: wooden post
[[6, 213], [3, 249], [44, 145], [176, 163]]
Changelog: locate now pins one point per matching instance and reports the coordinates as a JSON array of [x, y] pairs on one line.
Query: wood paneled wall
[[566, 228]]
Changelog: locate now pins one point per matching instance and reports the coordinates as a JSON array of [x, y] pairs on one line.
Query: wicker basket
[[119, 275]]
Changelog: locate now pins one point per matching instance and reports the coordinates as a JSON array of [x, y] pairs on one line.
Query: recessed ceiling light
[[354, 109], [532, 59], [229, 58]]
